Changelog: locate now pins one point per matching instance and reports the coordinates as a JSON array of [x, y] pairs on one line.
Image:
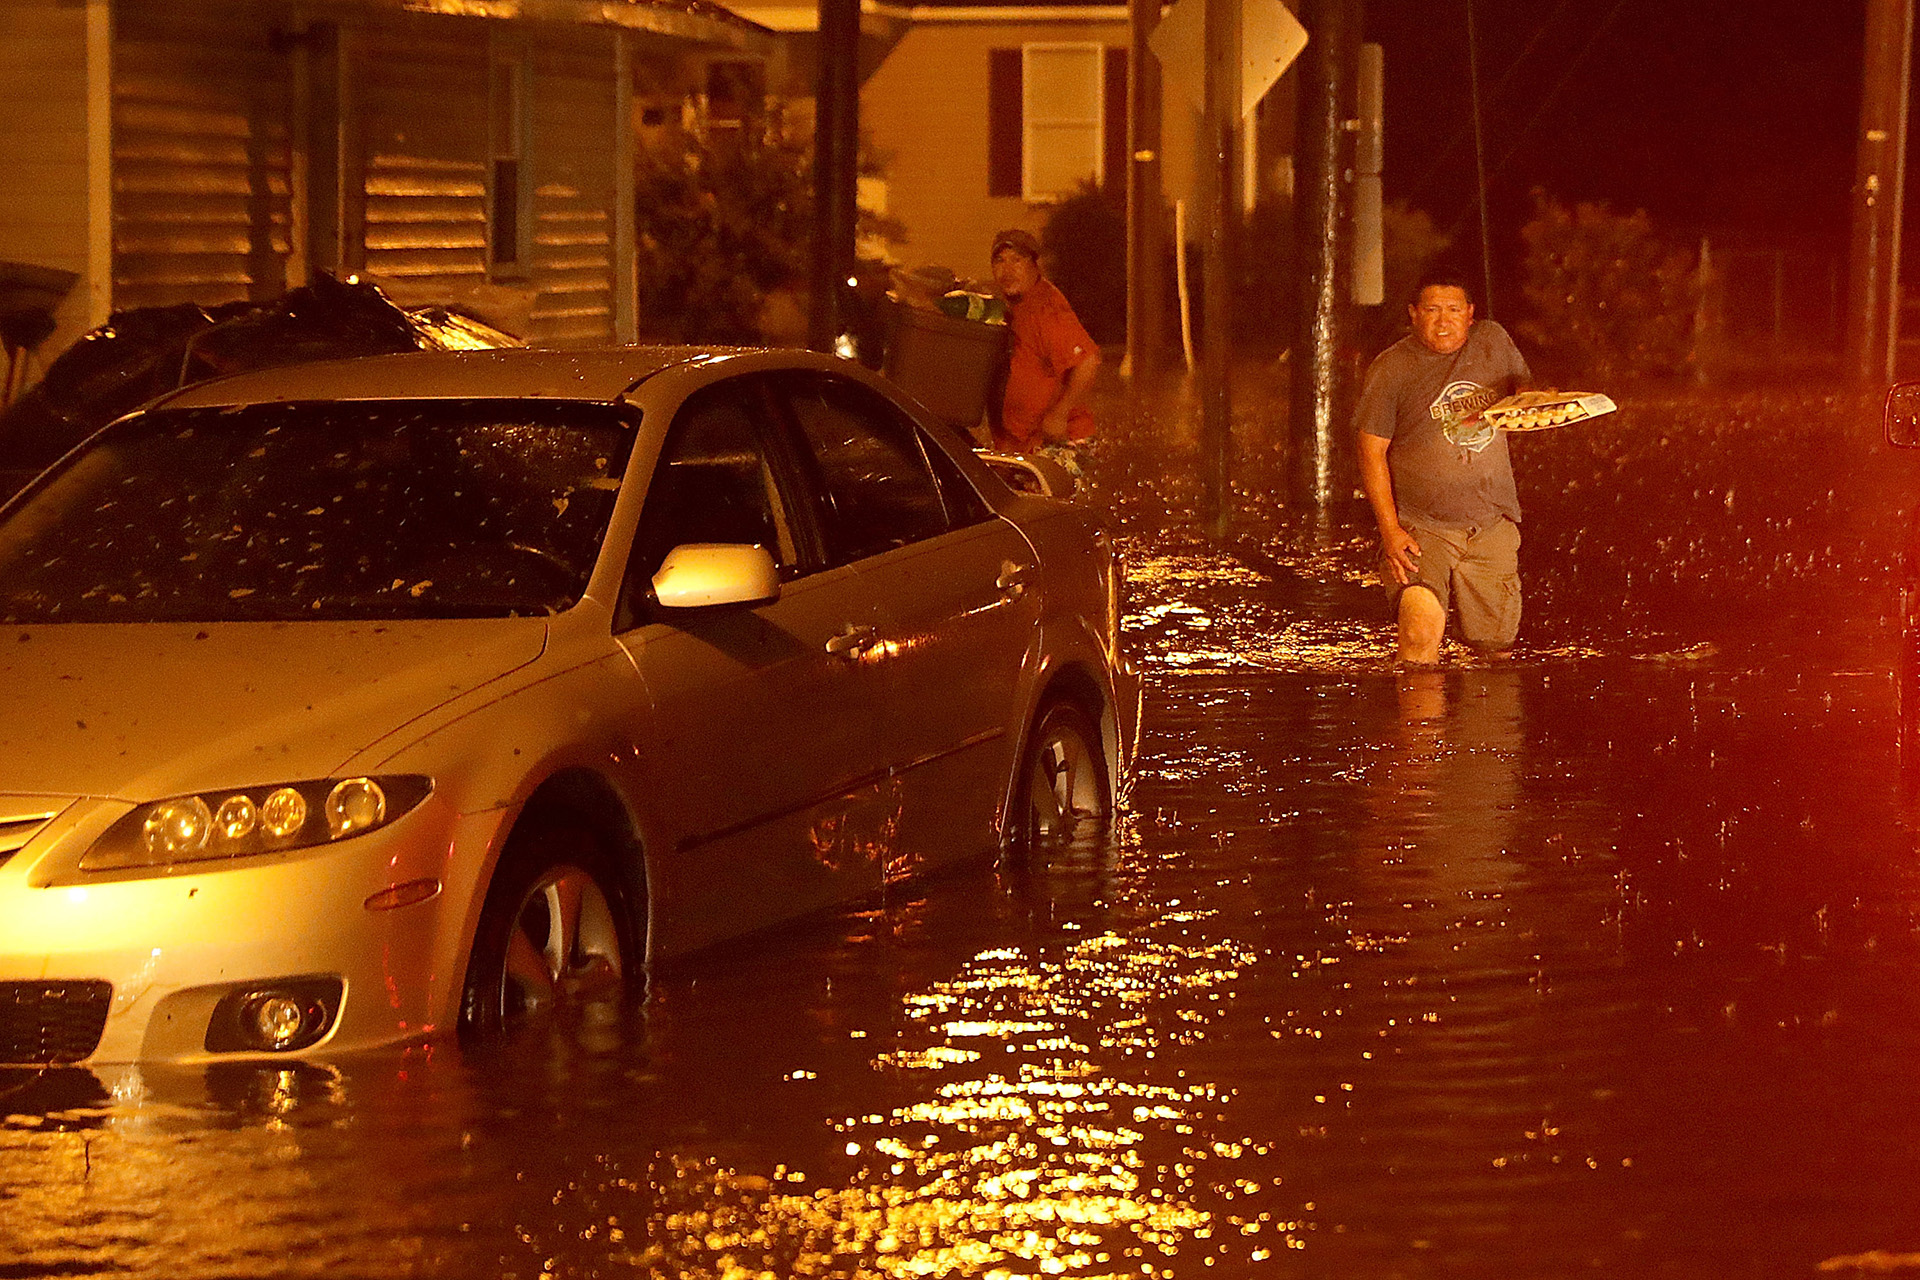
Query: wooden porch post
[[99, 162]]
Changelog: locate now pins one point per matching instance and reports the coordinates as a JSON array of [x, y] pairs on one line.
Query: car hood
[[139, 711]]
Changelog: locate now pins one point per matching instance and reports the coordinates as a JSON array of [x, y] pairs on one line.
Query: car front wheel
[[552, 941], [1062, 787]]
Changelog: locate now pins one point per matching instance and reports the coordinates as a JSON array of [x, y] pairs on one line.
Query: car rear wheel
[[553, 940], [1062, 788]]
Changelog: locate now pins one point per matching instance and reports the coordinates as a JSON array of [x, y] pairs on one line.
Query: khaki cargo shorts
[[1475, 572]]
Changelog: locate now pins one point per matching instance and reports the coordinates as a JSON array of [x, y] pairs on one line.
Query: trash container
[[952, 366]]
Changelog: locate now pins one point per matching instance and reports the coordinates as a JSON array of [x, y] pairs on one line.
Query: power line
[[1479, 160], [1572, 65], [1460, 135]]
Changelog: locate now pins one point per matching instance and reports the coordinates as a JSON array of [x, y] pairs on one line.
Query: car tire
[[1062, 785], [555, 937]]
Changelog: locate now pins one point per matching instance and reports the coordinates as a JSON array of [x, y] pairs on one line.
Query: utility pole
[[1219, 113], [1369, 274], [1321, 238], [836, 151], [1146, 217], [1480, 164], [1873, 321]]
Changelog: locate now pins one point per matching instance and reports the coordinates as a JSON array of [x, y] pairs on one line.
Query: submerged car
[[371, 700]]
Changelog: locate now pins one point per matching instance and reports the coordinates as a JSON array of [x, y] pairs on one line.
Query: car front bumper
[[170, 947]]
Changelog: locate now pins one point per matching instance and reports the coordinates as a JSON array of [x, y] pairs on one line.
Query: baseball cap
[[1015, 238]]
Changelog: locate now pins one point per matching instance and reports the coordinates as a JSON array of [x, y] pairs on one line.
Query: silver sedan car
[[374, 700]]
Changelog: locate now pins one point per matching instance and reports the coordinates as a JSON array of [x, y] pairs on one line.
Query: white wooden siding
[[423, 122], [573, 216], [200, 158], [201, 154], [43, 150]]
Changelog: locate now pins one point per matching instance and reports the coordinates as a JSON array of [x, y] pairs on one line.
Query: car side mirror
[[1901, 418], [1028, 474], [700, 575]]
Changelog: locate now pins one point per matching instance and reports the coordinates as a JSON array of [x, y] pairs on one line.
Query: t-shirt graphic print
[[1455, 406]]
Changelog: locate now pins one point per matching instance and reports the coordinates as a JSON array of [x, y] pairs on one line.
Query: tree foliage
[[1608, 293], [1085, 238], [722, 223], [719, 227]]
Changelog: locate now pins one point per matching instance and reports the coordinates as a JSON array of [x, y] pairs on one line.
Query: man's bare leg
[[1423, 695], [1422, 623]]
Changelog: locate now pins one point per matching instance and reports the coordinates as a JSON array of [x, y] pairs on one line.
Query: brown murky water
[[1605, 962]]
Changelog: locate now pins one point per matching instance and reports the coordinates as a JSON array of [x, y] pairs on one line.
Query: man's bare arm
[[1078, 383], [1376, 481]]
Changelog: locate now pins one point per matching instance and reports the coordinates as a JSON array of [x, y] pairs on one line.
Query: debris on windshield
[[357, 510], [142, 352]]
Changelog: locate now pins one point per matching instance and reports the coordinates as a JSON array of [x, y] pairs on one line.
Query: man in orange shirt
[[1052, 363]]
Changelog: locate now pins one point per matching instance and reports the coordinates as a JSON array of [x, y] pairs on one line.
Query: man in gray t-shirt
[[1438, 476]]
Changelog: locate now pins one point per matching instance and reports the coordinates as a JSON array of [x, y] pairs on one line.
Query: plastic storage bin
[[951, 366]]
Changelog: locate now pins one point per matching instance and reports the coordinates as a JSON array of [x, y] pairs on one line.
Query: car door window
[[878, 490], [715, 481], [965, 506]]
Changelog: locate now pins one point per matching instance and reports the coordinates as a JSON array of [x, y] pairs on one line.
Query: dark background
[[1715, 116]]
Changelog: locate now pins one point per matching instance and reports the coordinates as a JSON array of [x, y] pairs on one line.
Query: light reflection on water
[[1603, 961]]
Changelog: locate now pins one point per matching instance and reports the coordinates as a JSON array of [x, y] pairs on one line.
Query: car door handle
[[850, 643], [1013, 579]]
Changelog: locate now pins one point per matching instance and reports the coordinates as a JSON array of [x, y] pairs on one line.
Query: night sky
[[1730, 117]]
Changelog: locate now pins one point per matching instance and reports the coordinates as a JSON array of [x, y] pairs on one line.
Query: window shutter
[[1114, 125], [1004, 125]]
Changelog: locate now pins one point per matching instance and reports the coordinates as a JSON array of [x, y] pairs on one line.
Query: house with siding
[[983, 116], [210, 151]]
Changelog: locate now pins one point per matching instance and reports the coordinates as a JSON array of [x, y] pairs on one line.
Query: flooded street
[[1602, 961]]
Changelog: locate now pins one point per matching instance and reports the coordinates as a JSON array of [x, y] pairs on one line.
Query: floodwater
[[1603, 961]]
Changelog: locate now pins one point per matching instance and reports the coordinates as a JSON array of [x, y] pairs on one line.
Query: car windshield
[[339, 510]]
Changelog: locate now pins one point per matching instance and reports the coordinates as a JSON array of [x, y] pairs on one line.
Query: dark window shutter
[[1004, 123], [1113, 121]]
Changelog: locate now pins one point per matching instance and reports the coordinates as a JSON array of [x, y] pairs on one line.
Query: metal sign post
[[1227, 54], [1879, 175]]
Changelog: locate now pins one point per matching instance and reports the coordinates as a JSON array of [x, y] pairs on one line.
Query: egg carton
[[1538, 410]]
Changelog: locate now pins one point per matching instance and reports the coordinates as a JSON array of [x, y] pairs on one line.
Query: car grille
[[43, 1023], [15, 831]]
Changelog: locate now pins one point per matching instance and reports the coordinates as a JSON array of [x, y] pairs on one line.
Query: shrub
[[720, 227], [1266, 293], [1085, 238], [1608, 294], [1086, 242]]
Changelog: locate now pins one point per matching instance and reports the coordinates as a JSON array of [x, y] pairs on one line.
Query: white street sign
[[1270, 39]]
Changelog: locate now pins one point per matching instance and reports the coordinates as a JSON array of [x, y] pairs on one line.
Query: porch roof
[[699, 21]]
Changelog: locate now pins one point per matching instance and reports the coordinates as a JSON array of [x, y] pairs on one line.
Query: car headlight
[[254, 820]]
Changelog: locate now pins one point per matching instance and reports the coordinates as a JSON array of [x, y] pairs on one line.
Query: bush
[[1085, 238], [718, 229], [1268, 284], [1608, 294], [1086, 242], [1266, 293], [722, 227]]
